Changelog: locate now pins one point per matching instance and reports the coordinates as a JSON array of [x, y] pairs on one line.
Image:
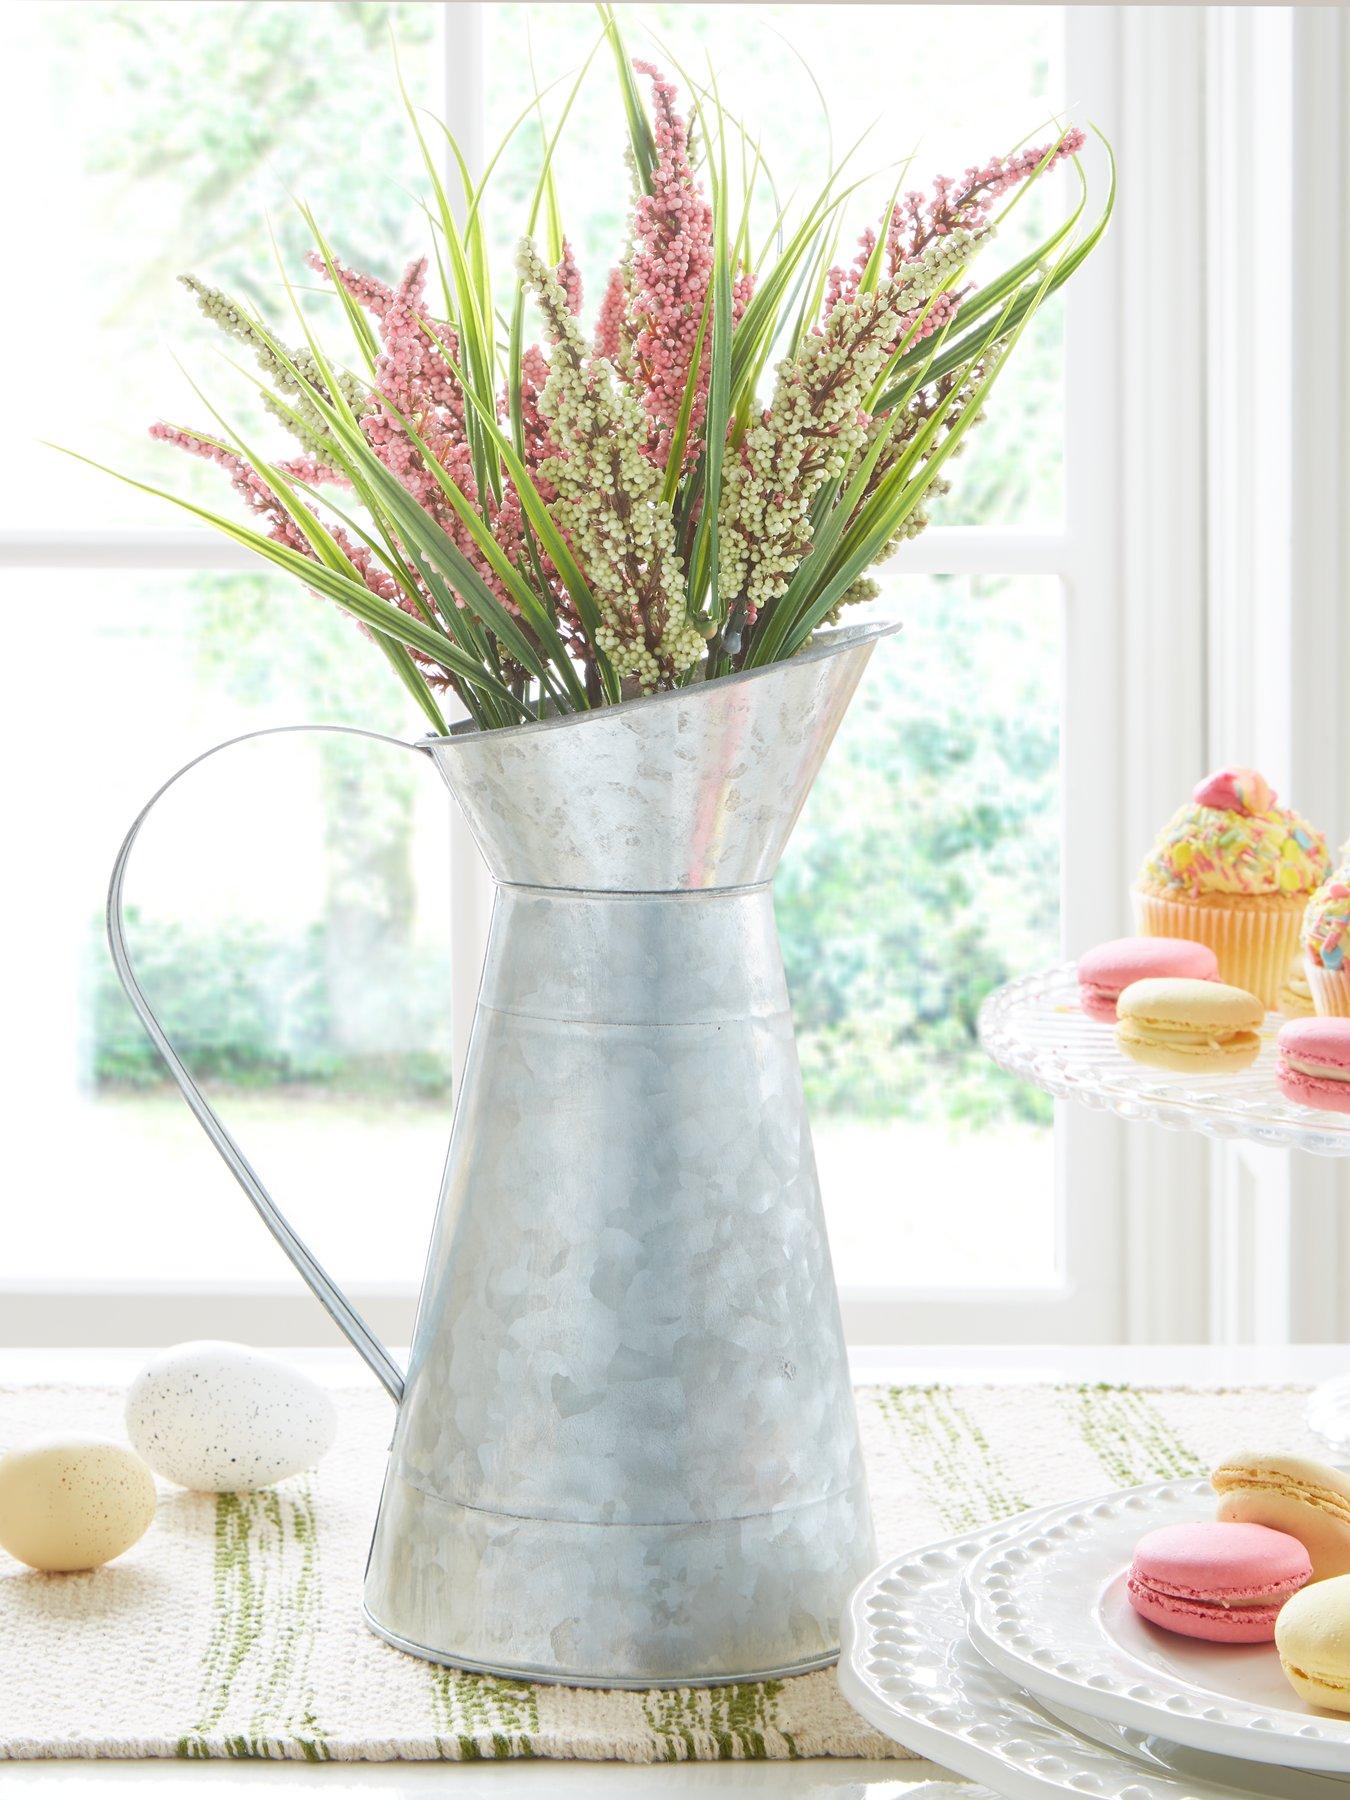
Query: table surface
[[827, 1779]]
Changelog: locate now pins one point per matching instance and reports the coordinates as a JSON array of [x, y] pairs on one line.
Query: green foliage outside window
[[925, 869]]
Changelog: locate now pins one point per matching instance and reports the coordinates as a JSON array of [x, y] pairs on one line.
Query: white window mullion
[[1319, 582], [1156, 491], [941, 550], [463, 62], [1089, 1163], [1249, 171], [1278, 388], [194, 548], [465, 78]]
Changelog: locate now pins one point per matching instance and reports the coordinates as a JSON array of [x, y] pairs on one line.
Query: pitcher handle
[[334, 1302]]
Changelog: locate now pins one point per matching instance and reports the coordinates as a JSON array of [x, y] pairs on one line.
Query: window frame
[[1280, 1223], [1088, 1301]]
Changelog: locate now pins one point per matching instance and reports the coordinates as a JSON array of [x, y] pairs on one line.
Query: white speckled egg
[[223, 1418], [73, 1502]]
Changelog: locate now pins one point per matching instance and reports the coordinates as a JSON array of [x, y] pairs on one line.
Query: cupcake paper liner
[[1330, 990], [1296, 1001], [1254, 944]]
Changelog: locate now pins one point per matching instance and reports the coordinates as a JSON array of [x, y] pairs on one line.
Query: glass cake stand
[[1034, 1028]]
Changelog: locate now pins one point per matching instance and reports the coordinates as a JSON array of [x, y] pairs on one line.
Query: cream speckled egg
[[73, 1502], [223, 1418]]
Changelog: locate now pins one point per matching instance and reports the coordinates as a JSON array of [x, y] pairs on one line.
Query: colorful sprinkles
[[1326, 923], [1227, 842]]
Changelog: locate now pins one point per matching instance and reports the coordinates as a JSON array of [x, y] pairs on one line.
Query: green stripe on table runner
[[484, 1717], [1128, 1435], [732, 1722], [266, 1589], [962, 1477]]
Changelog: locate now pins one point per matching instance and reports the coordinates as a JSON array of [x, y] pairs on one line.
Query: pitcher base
[[616, 1605], [568, 1678]]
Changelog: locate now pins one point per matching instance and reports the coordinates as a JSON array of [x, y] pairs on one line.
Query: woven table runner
[[233, 1629]]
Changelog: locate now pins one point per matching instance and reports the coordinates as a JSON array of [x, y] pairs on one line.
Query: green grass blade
[[719, 379], [864, 552], [433, 553], [972, 341], [516, 335], [680, 436], [352, 595], [401, 662], [871, 274], [473, 236], [554, 546], [529, 602], [356, 318], [639, 128], [463, 307]]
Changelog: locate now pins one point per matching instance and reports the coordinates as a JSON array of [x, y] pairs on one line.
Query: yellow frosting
[[1224, 850]]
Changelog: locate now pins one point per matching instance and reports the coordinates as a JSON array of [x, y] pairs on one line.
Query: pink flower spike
[[672, 267], [609, 324], [916, 221], [376, 296], [569, 278]]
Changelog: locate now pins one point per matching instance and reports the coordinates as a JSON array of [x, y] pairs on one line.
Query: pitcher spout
[[696, 788]]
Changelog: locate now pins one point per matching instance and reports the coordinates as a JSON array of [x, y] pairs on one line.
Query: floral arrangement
[[548, 527]]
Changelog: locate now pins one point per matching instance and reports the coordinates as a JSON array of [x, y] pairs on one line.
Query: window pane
[[951, 85], [289, 918], [157, 137], [924, 871]]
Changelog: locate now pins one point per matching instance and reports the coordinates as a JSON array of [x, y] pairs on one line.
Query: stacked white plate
[[1013, 1657]]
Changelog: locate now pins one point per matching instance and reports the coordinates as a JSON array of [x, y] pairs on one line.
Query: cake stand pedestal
[[1035, 1028]]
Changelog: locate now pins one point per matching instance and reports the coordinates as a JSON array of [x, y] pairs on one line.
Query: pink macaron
[[1104, 972], [1225, 1583], [1313, 1063]]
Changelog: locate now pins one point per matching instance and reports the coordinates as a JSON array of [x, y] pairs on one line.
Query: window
[[292, 916], [925, 870]]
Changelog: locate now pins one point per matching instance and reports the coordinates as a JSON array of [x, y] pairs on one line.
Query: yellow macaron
[[1202, 1026], [1312, 1635], [1294, 1494]]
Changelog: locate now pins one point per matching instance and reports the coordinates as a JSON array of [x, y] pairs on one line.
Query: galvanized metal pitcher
[[626, 1452]]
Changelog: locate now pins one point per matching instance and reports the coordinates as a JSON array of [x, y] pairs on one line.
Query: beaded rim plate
[[1035, 1028], [1047, 1607], [909, 1668]]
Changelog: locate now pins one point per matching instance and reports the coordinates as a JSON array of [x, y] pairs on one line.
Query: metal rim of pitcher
[[827, 643]]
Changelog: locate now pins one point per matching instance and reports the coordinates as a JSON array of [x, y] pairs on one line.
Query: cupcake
[[1326, 939], [1296, 1001], [1236, 872]]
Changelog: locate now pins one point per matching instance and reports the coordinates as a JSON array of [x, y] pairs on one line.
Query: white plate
[[1048, 1608], [1268, 1780], [908, 1667]]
